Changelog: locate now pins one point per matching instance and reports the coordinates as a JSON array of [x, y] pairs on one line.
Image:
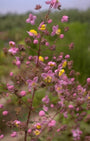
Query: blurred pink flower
[[64, 19], [41, 113], [52, 123], [31, 19], [4, 113]]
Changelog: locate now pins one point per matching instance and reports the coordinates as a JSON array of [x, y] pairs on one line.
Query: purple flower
[[32, 83], [31, 19], [48, 77], [54, 28]]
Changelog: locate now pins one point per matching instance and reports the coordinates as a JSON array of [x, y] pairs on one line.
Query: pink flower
[[76, 134], [45, 108], [30, 58], [51, 105], [71, 106], [41, 113], [49, 21], [31, 19], [45, 99], [4, 113], [11, 74], [12, 44], [67, 56], [55, 4], [52, 64], [64, 19], [35, 41], [54, 28], [46, 58], [1, 106], [61, 36], [1, 136], [23, 93], [48, 77], [29, 130], [28, 62], [88, 81], [52, 123], [18, 62], [48, 1], [17, 122], [14, 134], [47, 44], [13, 50], [10, 87], [32, 83]]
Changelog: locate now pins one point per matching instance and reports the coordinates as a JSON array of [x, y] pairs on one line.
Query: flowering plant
[[64, 100]]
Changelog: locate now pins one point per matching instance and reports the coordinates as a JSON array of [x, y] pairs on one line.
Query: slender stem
[[29, 114]]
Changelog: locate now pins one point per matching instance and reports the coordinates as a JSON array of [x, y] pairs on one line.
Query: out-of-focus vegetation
[[13, 27]]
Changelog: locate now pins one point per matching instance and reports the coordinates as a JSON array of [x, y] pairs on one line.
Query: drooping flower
[[32, 33], [42, 26], [31, 19]]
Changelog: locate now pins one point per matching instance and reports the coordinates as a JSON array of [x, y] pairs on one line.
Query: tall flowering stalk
[[64, 99]]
